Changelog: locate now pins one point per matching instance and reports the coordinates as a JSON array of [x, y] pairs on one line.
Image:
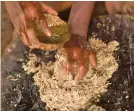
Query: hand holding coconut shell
[[48, 32], [24, 14]]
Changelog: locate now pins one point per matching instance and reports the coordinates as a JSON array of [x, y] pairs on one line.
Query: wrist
[[80, 15], [78, 31]]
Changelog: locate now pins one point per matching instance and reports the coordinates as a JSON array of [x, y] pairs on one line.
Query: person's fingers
[[28, 9], [65, 67], [83, 64], [70, 60], [42, 23], [92, 58], [48, 9], [32, 37], [16, 33], [79, 56], [30, 14], [24, 37], [82, 71], [86, 58], [31, 33], [33, 11]]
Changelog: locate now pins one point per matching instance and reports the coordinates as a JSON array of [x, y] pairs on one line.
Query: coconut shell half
[[60, 33]]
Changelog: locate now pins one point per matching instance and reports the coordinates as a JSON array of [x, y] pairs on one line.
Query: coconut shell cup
[[60, 33]]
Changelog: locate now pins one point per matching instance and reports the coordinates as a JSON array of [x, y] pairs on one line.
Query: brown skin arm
[[25, 12], [80, 16], [76, 47], [22, 15]]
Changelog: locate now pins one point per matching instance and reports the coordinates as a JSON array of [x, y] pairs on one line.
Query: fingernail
[[70, 76], [94, 64], [48, 33], [76, 80]]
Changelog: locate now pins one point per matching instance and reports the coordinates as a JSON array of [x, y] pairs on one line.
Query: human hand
[[23, 16], [78, 49]]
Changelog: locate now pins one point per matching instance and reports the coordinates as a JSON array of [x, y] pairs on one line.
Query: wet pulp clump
[[59, 90]]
